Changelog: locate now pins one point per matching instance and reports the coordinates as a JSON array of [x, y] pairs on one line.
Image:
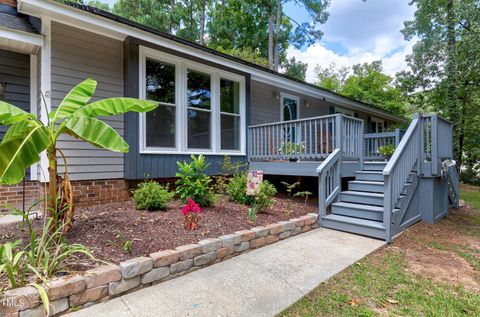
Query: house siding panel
[[76, 56], [15, 74]]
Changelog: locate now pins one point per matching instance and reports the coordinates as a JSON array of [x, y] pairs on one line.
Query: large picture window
[[201, 109]]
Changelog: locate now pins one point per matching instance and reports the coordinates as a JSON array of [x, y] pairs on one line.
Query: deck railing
[[329, 181], [307, 139], [373, 141]]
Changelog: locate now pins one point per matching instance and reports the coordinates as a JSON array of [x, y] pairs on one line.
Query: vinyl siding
[[15, 74], [76, 56]]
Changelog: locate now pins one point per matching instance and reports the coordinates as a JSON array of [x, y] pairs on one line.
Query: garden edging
[[109, 281]]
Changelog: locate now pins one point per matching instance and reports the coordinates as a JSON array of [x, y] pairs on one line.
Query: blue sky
[[357, 31]]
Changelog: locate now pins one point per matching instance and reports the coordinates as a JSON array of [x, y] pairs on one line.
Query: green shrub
[[387, 150], [470, 176], [237, 190], [150, 195], [194, 183]]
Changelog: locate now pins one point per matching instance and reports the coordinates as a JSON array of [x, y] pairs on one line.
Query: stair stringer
[[407, 211]]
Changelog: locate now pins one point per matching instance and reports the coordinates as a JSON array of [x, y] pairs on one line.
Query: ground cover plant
[[430, 270]]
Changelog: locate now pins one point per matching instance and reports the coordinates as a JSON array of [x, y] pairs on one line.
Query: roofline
[[83, 16]]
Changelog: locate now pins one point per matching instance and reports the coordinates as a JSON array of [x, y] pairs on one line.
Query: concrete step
[[374, 166], [358, 211], [375, 176], [366, 186], [365, 198], [364, 227]]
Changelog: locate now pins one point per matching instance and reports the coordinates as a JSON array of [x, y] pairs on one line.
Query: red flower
[[191, 211]]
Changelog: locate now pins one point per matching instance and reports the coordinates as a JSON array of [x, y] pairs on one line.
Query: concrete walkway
[[262, 282]]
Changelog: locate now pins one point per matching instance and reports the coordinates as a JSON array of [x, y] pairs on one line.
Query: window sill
[[190, 152]]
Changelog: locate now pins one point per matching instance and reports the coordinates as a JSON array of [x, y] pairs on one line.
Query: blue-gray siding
[[76, 56], [15, 74]]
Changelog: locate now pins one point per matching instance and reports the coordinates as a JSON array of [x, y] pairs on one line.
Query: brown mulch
[[106, 228]]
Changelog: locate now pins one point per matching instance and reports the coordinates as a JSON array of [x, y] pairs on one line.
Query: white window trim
[[377, 121], [289, 96], [181, 137]]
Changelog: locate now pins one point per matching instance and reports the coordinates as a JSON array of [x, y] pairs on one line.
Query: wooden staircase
[[360, 209]]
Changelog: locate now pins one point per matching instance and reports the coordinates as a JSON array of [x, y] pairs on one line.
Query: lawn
[[430, 270]]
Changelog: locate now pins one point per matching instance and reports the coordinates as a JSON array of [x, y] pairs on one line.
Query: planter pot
[[292, 159]]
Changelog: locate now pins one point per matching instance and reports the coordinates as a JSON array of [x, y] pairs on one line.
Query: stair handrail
[[329, 181], [397, 171]]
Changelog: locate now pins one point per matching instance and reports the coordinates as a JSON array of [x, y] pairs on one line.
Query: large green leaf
[[20, 153], [18, 130], [9, 114], [115, 106], [97, 133], [75, 99]]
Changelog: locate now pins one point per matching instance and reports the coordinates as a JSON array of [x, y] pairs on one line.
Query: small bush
[[470, 176], [150, 195], [237, 190], [194, 183], [387, 150]]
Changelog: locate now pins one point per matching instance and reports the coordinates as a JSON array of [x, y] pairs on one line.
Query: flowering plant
[[191, 211]]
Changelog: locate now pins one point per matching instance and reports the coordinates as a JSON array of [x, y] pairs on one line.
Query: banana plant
[[27, 137]]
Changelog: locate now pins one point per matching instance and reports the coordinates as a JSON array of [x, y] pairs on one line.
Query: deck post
[[338, 132], [322, 210], [362, 145], [397, 137]]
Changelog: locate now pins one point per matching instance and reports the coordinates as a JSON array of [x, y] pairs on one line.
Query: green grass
[[472, 198], [380, 285]]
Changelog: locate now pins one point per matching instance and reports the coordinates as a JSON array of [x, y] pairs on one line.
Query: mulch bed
[[106, 228]]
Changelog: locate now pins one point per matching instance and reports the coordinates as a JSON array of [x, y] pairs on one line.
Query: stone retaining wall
[[110, 281]]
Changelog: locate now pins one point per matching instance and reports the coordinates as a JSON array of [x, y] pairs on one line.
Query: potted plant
[[289, 148], [387, 151]]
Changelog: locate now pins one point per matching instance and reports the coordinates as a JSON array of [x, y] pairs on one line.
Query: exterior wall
[[265, 108], [138, 166], [12, 3], [12, 195], [15, 74], [96, 192], [76, 56]]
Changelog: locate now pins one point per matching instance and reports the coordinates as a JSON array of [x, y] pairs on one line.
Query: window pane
[[230, 132], [160, 81], [229, 96], [198, 129], [198, 90], [161, 127]]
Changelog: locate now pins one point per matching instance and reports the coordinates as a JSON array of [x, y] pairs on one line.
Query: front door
[[289, 111]]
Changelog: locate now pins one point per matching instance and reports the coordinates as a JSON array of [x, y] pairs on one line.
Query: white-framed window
[[201, 108], [378, 125]]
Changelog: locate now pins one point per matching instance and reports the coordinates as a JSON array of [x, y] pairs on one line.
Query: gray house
[[209, 103]]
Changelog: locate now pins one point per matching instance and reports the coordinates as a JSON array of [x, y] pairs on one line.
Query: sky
[[357, 31]]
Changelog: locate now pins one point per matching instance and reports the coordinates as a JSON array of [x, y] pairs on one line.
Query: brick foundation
[[12, 195], [12, 3], [86, 193]]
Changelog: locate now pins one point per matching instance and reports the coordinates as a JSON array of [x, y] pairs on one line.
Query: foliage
[[304, 193], [365, 82], [387, 150], [93, 3], [27, 137], [150, 195], [444, 69], [191, 211], [252, 213], [246, 53], [291, 148], [228, 169], [290, 188], [470, 176], [127, 247], [194, 183], [295, 69], [11, 264], [237, 191]]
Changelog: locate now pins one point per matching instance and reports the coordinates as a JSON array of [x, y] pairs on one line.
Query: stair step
[[374, 166], [358, 211], [366, 186], [369, 176], [364, 227], [365, 198]]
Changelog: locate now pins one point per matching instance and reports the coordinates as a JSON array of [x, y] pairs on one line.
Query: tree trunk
[[276, 57], [170, 24], [451, 69], [461, 134], [52, 183], [270, 39], [202, 23]]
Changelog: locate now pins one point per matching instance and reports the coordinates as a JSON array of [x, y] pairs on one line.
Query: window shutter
[[385, 124], [332, 110], [369, 124]]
